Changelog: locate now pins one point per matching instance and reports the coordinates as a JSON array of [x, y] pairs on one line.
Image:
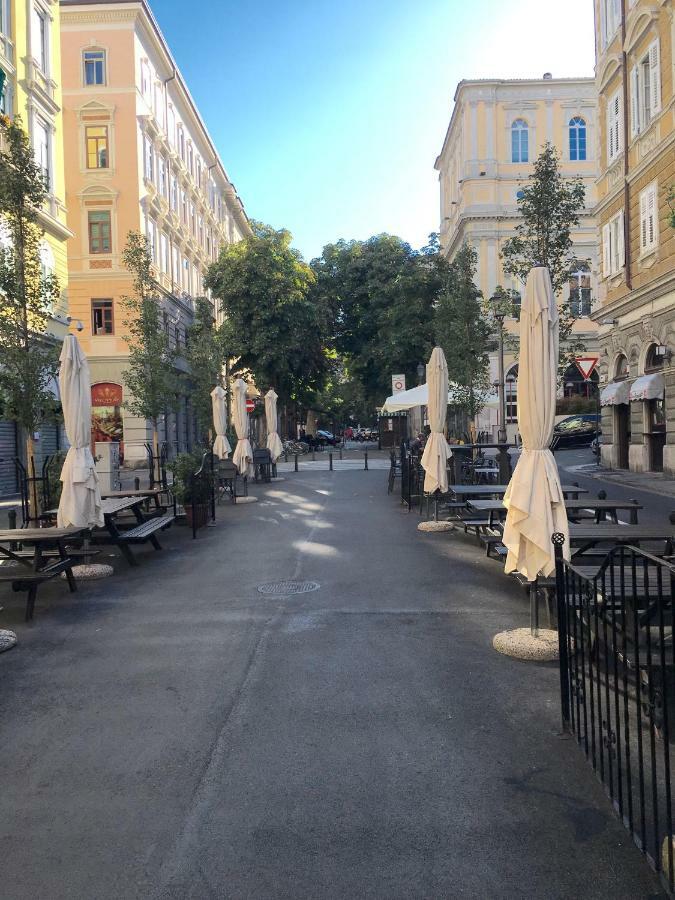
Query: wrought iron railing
[[617, 681]]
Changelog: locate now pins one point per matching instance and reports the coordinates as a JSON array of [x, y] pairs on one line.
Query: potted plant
[[192, 491]]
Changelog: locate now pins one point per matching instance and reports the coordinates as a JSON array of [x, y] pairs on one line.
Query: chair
[[227, 475], [262, 463], [394, 471]]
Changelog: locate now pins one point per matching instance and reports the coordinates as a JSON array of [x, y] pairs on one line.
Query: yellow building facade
[[634, 77], [497, 129], [139, 157], [30, 58]]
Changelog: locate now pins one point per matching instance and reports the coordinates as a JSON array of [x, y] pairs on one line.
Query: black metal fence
[[617, 679]]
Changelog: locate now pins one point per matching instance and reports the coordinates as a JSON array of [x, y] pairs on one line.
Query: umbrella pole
[[534, 609]]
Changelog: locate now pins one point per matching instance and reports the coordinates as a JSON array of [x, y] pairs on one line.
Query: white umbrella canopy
[[437, 451], [80, 503], [534, 497], [243, 452], [274, 444], [221, 445]]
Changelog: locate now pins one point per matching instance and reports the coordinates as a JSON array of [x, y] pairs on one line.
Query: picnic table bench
[[587, 537], [146, 494], [38, 566], [145, 529], [599, 508]]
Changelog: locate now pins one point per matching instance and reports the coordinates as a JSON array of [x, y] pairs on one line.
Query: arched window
[[577, 138], [519, 141], [511, 395], [580, 289], [653, 362], [621, 370]]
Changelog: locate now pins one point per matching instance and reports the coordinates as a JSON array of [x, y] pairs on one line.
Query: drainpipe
[[168, 174], [626, 118]]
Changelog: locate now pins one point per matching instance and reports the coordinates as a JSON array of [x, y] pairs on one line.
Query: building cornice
[[637, 297]]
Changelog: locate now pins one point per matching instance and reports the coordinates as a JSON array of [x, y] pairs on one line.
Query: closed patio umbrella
[[534, 498], [221, 445], [437, 451], [80, 503], [243, 452], [274, 444]]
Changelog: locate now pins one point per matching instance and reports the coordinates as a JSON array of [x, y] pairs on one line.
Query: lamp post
[[499, 315], [421, 370]]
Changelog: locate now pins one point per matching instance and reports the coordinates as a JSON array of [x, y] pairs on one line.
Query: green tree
[[379, 295], [550, 207], [150, 377], [464, 333], [28, 357], [205, 353], [273, 329]]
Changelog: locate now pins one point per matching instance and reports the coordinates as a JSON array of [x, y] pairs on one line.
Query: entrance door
[[657, 438], [622, 434]]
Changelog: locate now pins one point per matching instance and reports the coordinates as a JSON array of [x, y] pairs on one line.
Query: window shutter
[[621, 241], [643, 221], [606, 268], [618, 123], [655, 77], [651, 216], [610, 131], [634, 101]]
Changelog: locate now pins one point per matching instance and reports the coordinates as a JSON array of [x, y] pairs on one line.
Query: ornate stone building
[[634, 79], [139, 157]]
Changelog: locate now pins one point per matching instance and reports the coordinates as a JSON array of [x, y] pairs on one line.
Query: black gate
[[617, 681]]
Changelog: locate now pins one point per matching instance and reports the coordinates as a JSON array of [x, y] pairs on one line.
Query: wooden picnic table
[[41, 565], [145, 493], [487, 490], [585, 537], [600, 507], [145, 530]]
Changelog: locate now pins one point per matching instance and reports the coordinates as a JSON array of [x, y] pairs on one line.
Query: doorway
[[622, 434], [657, 433]]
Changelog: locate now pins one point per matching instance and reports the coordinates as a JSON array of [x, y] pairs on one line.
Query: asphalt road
[[173, 732]]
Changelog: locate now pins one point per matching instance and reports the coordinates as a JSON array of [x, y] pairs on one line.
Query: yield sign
[[586, 364]]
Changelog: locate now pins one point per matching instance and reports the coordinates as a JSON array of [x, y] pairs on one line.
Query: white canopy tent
[[417, 396]]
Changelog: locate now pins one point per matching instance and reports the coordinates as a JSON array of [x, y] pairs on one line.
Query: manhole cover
[[288, 587]]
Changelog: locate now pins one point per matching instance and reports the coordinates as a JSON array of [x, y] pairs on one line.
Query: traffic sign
[[586, 365], [250, 405], [397, 384]]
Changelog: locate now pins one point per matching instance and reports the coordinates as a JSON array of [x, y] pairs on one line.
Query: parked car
[[575, 431], [325, 437]]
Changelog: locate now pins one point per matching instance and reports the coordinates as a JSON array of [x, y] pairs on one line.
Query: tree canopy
[[274, 329]]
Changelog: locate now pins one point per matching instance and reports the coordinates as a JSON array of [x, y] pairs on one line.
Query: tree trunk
[[33, 494], [155, 451]]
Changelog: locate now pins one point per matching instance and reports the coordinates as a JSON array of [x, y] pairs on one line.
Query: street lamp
[[499, 314], [420, 373]]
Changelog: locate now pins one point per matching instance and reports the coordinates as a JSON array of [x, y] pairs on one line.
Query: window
[[151, 232], [99, 232], [96, 137], [520, 195], [164, 257], [102, 317], [5, 21], [199, 172], [163, 187], [645, 99], [649, 225], [148, 159], [174, 194], [145, 78], [39, 40], [580, 290], [577, 138], [613, 247], [171, 126], [193, 219], [175, 265], [621, 369], [184, 208], [190, 158], [653, 362], [511, 395], [94, 66], [610, 19], [614, 127], [519, 141], [181, 142], [42, 136]]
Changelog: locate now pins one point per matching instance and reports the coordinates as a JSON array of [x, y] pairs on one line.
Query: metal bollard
[[340, 452], [296, 462], [365, 459], [137, 483], [330, 461], [285, 455], [313, 455]]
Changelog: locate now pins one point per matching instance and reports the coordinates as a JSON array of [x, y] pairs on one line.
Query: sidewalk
[[192, 729]]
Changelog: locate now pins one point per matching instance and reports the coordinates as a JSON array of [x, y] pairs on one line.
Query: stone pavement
[[177, 732]]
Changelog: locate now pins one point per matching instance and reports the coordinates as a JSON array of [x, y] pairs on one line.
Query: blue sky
[[329, 115]]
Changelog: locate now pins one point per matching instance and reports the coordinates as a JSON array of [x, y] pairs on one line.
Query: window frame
[[520, 128], [40, 41], [614, 127], [100, 225], [87, 139], [613, 245], [44, 126], [578, 128], [649, 219], [94, 309], [645, 89], [103, 62]]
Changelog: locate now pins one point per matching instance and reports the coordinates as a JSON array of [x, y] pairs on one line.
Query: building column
[[638, 452], [669, 449]]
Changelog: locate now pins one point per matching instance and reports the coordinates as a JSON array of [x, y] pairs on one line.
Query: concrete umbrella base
[[277, 478], [246, 500], [435, 526], [91, 571], [7, 640], [521, 644]]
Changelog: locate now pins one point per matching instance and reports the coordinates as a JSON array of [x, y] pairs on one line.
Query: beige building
[[498, 128], [634, 81], [138, 156]]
